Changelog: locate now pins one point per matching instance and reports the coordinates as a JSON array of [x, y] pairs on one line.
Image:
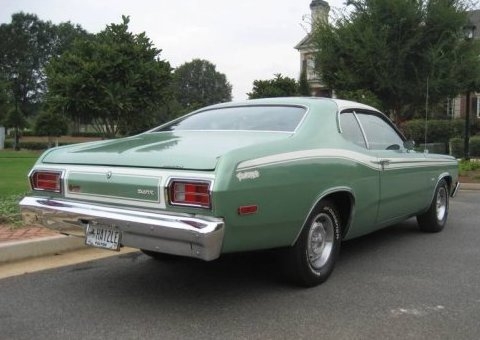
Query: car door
[[403, 181]]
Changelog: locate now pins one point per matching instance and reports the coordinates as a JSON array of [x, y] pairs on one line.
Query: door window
[[380, 135]]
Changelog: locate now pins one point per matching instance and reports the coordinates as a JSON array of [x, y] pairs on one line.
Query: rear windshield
[[246, 118]]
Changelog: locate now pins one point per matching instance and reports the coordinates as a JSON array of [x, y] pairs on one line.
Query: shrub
[[475, 146], [87, 134], [457, 147], [31, 145], [438, 131]]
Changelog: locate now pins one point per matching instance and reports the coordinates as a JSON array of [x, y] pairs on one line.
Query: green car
[[297, 174]]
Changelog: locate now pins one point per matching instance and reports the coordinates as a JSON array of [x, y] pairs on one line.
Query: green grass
[[469, 170], [14, 168]]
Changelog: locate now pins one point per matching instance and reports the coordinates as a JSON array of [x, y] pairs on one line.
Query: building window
[[450, 107], [477, 105], [311, 74]]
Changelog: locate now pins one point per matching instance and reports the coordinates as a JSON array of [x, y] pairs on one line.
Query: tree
[[52, 125], [303, 85], [114, 79], [16, 119], [393, 48], [277, 87], [198, 83], [26, 46]]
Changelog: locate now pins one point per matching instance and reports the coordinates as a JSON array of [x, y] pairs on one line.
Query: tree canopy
[[115, 79], [279, 86], [26, 46], [197, 83], [393, 48]]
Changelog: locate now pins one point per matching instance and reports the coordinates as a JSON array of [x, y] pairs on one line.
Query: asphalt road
[[394, 284]]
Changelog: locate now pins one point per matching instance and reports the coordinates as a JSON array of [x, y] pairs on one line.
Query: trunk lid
[[192, 150]]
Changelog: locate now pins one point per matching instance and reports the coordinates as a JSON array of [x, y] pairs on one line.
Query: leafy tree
[[16, 119], [198, 83], [52, 125], [361, 96], [303, 85], [277, 87], [26, 46], [115, 79], [3, 99], [393, 48]]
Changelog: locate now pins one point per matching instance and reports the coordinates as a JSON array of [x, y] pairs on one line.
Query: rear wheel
[[435, 218], [311, 260]]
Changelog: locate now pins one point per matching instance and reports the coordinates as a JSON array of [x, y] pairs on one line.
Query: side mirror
[[409, 145]]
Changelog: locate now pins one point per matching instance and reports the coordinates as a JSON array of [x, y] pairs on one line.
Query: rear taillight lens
[[195, 194], [46, 181]]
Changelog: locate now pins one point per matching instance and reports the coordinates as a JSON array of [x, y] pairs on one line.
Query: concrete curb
[[469, 186], [19, 250]]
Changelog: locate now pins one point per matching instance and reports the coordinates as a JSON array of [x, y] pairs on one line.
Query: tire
[[435, 218], [159, 256], [311, 260]]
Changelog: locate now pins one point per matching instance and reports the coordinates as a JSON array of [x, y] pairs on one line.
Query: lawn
[[14, 168]]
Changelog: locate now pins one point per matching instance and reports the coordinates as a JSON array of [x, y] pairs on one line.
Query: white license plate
[[103, 236]]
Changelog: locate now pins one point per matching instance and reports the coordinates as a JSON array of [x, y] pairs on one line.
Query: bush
[[433, 148], [475, 146], [31, 145], [87, 134], [438, 131], [10, 210], [457, 147]]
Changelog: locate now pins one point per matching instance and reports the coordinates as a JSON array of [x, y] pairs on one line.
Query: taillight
[[46, 181], [196, 194]]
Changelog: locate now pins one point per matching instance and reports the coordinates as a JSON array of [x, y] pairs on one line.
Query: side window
[[380, 135], [351, 130]]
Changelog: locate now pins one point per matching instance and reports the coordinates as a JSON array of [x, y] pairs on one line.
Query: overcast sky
[[245, 39]]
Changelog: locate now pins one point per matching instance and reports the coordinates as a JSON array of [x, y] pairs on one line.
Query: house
[[320, 10], [454, 107]]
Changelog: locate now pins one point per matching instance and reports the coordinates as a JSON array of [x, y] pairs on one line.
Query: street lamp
[[468, 31]]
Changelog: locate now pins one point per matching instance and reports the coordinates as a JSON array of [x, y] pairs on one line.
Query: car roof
[[306, 101]]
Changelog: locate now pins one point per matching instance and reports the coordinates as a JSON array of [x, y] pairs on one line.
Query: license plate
[[103, 236]]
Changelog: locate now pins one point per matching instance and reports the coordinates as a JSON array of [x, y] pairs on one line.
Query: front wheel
[[311, 260], [435, 218]]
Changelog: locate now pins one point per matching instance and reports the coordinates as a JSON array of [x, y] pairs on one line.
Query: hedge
[[438, 131], [31, 145], [457, 147]]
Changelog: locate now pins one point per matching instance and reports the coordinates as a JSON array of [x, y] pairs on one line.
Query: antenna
[[426, 120]]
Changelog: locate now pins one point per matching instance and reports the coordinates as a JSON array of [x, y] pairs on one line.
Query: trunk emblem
[[109, 174]]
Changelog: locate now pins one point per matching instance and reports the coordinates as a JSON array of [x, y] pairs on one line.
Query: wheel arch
[[448, 178], [344, 200]]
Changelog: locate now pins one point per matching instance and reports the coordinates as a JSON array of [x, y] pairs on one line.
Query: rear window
[[246, 118]]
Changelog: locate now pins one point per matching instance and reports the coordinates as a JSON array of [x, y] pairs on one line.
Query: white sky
[[245, 39]]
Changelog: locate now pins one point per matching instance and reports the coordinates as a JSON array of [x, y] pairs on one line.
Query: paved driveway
[[395, 284]]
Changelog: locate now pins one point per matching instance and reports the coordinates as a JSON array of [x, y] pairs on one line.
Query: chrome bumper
[[199, 237]]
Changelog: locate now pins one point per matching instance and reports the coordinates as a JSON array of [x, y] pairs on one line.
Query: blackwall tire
[[435, 218], [312, 259]]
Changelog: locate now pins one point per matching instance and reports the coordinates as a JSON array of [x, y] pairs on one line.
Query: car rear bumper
[[194, 236]]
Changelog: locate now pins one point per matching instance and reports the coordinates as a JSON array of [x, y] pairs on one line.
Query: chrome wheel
[[441, 206], [435, 218], [321, 237]]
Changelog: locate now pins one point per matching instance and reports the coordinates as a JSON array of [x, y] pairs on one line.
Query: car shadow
[[232, 274]]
